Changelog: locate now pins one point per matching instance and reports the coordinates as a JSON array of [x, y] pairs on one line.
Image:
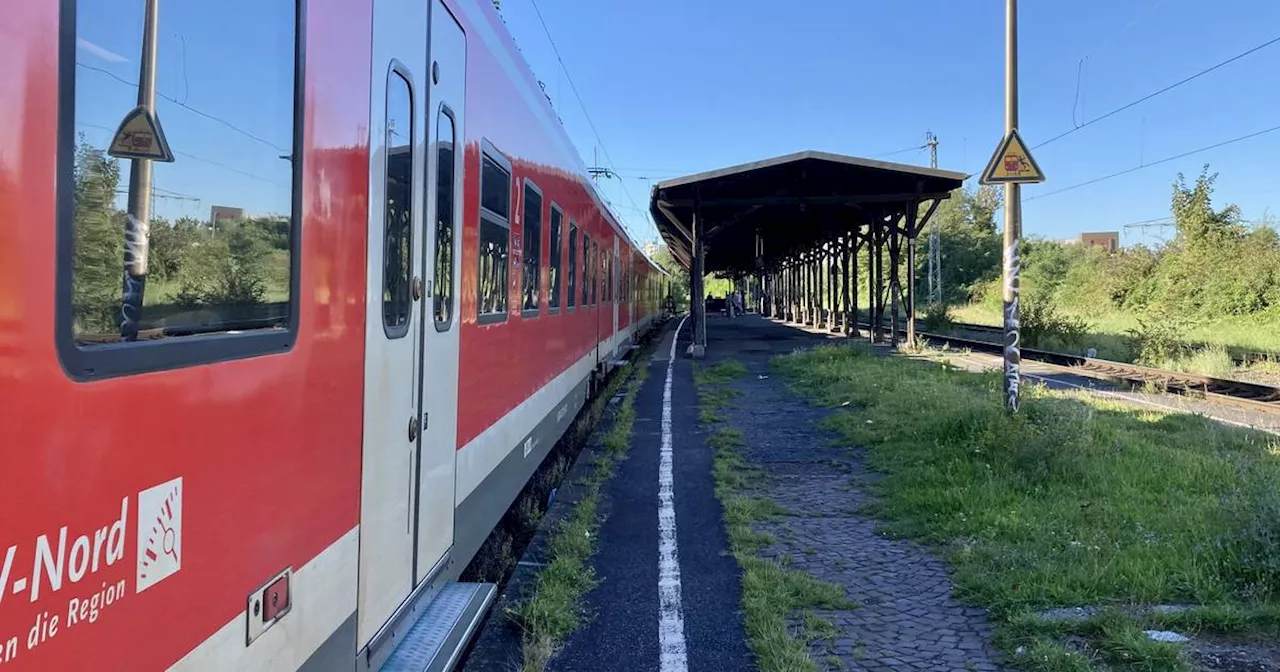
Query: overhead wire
[[1154, 94], [585, 113], [1156, 163], [187, 107]]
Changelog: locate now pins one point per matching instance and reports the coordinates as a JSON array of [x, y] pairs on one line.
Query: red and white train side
[[293, 481]]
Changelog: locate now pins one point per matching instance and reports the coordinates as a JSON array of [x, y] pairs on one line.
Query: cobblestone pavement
[[906, 619]]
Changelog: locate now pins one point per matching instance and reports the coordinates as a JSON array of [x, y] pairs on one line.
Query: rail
[[1256, 396]]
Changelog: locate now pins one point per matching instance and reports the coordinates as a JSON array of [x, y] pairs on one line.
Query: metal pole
[[1012, 216], [935, 237], [138, 220]]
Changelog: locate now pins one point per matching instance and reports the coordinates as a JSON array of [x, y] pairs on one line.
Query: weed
[[1073, 501], [771, 591], [937, 319], [554, 609]]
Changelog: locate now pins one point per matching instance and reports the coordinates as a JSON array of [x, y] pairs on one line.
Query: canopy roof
[[790, 202]]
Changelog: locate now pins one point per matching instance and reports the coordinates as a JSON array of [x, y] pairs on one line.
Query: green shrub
[[1040, 322]]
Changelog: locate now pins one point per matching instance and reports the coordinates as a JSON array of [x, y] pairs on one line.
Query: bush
[[937, 318], [1041, 322], [1160, 337]]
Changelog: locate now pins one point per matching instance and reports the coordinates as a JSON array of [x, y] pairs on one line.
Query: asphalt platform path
[[630, 627]]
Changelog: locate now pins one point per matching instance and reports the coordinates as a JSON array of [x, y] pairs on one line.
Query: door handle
[[413, 428]]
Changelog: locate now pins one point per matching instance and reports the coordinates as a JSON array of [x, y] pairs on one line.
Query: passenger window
[[595, 272], [495, 237], [444, 220], [532, 261], [573, 264], [586, 269], [556, 241], [398, 217], [180, 219]]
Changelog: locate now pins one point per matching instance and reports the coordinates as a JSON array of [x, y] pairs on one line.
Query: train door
[[392, 422], [439, 377]]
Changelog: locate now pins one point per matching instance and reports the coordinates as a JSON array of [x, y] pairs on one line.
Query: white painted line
[[1139, 400], [673, 657]]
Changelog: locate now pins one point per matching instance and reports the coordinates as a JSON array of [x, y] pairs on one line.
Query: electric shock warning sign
[[71, 580]]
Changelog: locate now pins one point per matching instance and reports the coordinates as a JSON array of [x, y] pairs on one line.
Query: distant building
[[1108, 240], [219, 213]]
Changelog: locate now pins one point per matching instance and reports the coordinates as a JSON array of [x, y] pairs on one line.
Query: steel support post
[[138, 220], [1012, 220]]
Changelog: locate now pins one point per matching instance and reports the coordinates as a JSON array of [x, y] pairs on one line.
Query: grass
[[554, 608], [1073, 501], [772, 593], [1110, 335]]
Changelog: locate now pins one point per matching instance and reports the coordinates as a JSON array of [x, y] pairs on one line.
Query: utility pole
[[1012, 217], [595, 170], [137, 227], [935, 234]]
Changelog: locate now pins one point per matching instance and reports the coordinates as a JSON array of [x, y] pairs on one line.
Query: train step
[[443, 630]]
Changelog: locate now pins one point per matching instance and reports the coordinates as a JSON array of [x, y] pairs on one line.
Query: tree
[[99, 241], [1193, 214], [679, 275], [970, 245]]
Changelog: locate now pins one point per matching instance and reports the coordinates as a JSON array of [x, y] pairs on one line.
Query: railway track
[[1265, 398], [1238, 356]]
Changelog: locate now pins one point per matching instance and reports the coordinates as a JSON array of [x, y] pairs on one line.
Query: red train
[[295, 295]]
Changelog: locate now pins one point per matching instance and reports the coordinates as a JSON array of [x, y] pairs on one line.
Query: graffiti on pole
[[135, 276], [1012, 351]]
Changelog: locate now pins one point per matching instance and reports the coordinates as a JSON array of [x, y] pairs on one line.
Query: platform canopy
[[753, 215]]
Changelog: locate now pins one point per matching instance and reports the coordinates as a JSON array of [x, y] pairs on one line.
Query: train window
[[495, 194], [586, 269], [532, 261], [445, 157], [572, 264], [553, 271], [397, 260], [495, 238], [608, 275], [595, 272], [150, 280]]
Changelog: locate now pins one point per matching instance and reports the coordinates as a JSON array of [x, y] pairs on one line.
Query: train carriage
[[273, 436]]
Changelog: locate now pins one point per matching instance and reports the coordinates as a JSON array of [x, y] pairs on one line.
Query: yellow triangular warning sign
[[1012, 163], [140, 137]]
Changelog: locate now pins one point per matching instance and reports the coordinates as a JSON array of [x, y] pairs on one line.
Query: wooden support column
[[833, 275], [846, 243], [895, 286], [913, 210], [878, 319], [823, 283], [805, 289], [868, 241], [698, 302], [853, 286], [791, 290]]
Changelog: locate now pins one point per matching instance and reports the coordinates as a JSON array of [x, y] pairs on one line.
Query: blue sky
[[233, 76], [677, 86]]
